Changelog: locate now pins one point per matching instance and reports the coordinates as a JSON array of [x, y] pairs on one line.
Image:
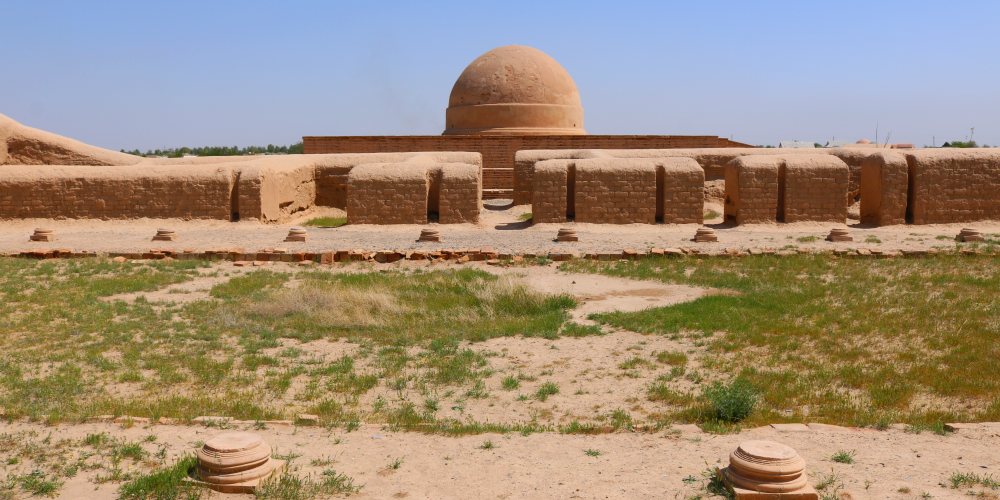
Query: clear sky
[[148, 74]]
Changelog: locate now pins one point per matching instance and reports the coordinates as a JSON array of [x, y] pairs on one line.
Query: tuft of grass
[[733, 402], [509, 383], [672, 358], [395, 464], [590, 452], [806, 239], [163, 484], [972, 480], [844, 457], [573, 329], [487, 445], [871, 238], [545, 390], [525, 217], [326, 222]]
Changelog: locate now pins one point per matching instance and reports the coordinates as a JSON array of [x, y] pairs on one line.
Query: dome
[[514, 90]]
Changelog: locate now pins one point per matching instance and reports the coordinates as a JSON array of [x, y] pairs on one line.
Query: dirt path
[[890, 464]]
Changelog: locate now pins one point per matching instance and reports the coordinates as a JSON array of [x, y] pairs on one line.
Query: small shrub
[[547, 389], [509, 383], [733, 402], [843, 457]]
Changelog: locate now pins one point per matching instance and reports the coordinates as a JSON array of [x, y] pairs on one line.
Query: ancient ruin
[[514, 130], [767, 470], [235, 462]]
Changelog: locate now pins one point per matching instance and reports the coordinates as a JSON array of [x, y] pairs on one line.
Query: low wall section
[[786, 189], [618, 191]]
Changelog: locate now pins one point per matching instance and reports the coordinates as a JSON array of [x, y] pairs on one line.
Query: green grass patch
[[856, 341], [326, 222]]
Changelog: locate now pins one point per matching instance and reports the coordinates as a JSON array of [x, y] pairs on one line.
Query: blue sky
[[147, 74]]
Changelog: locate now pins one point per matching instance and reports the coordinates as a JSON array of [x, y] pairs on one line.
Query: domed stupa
[[514, 90]]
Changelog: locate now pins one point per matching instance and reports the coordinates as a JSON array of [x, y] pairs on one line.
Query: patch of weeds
[[545, 390], [487, 445], [844, 457], [829, 486], [972, 480], [620, 420], [806, 239], [574, 329], [525, 217], [672, 358], [871, 238], [731, 402], [326, 222], [635, 362], [164, 483], [129, 450], [590, 452], [509, 383], [37, 483], [395, 464], [660, 391]]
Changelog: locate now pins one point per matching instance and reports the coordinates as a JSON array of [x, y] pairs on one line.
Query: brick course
[[815, 189]]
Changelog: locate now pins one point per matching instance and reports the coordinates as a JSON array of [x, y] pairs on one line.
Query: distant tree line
[[220, 151], [961, 144]]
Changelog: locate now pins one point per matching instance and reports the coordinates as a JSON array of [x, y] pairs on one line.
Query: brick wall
[[549, 199], [752, 189], [387, 193], [682, 183], [815, 189], [610, 191], [884, 184], [791, 188], [460, 195], [115, 192], [498, 151], [954, 185]]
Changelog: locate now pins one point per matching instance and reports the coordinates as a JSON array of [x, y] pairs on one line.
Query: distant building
[[796, 144]]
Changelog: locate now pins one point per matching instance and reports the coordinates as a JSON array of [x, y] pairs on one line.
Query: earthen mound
[[22, 145]]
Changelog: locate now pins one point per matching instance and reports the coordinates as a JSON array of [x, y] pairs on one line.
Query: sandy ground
[[888, 464], [499, 229]]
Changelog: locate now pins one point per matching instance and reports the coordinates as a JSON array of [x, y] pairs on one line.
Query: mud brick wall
[[954, 185], [615, 191], [115, 192], [682, 183], [752, 189], [460, 194], [549, 200], [884, 184], [815, 189], [331, 170], [498, 151], [387, 193]]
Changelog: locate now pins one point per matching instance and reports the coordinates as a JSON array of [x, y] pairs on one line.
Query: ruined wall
[[752, 189], [610, 191], [115, 192], [550, 201], [884, 184], [712, 161], [952, 185], [23, 145], [460, 195], [791, 188], [498, 151], [387, 193], [682, 184], [815, 189], [332, 170]]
